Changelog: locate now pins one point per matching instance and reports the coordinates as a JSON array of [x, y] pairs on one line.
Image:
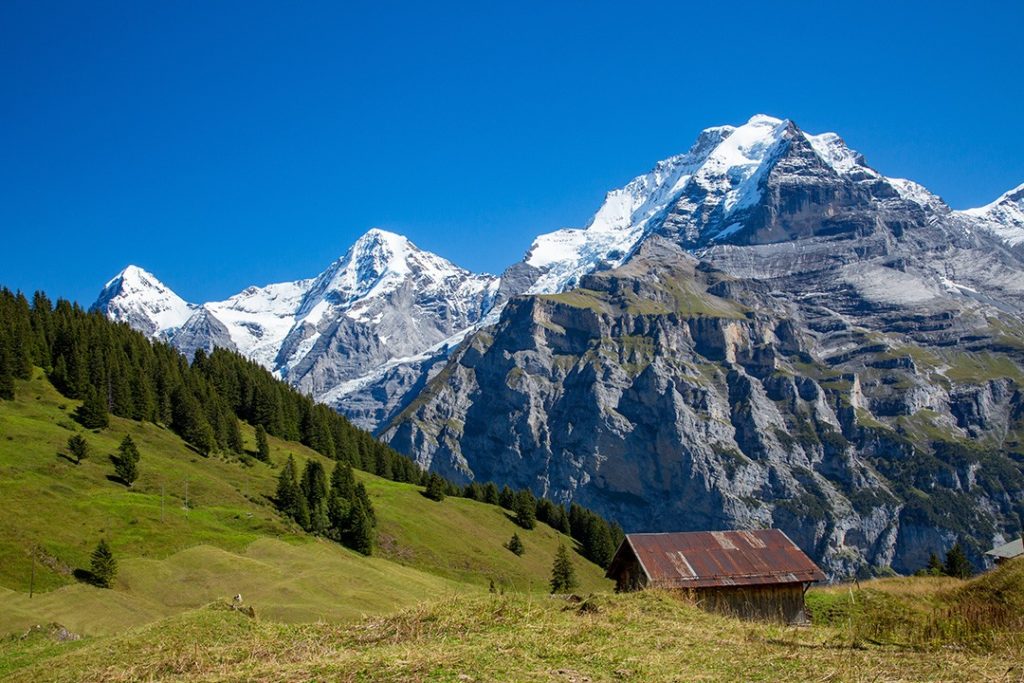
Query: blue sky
[[221, 144]]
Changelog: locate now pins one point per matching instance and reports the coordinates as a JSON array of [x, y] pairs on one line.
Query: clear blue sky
[[221, 144]]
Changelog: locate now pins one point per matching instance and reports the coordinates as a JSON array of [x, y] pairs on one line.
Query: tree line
[[116, 370], [598, 537]]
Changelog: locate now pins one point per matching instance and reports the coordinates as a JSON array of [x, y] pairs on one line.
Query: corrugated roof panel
[[703, 559]]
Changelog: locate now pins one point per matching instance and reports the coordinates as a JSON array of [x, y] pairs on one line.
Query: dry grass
[[639, 637], [928, 613]]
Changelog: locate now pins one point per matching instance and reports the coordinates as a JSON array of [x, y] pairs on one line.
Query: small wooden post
[[32, 578]]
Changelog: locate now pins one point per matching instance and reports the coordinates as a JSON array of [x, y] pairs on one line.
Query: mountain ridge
[[272, 323], [762, 331]]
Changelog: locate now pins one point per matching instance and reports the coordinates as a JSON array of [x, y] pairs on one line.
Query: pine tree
[[957, 564], [364, 500], [6, 372], [435, 487], [490, 493], [127, 470], [126, 462], [262, 445], [128, 449], [342, 480], [314, 488], [525, 509], [507, 499], [92, 414], [934, 566], [360, 535], [78, 447], [563, 576], [288, 494], [103, 566], [301, 514], [597, 542], [516, 545]]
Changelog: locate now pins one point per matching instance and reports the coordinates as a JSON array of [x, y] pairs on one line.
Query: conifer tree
[[364, 499], [78, 447], [339, 506], [342, 480], [126, 462], [6, 373], [597, 543], [92, 414], [262, 445], [525, 509], [957, 564], [490, 493], [126, 469], [507, 499], [935, 567], [563, 575], [516, 545], [288, 494], [314, 489], [435, 487], [128, 449], [360, 535], [302, 515], [103, 566]]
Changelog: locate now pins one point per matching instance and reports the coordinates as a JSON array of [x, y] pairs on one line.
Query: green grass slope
[[229, 540], [647, 636]]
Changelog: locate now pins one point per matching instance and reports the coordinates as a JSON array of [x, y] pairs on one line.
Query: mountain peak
[[376, 264], [137, 297], [380, 236], [765, 120], [133, 276], [1004, 216]]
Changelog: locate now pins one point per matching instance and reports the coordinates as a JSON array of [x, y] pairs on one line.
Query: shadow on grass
[[67, 457], [86, 576]]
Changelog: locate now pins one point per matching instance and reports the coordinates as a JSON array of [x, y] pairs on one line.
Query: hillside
[[649, 636], [230, 540]]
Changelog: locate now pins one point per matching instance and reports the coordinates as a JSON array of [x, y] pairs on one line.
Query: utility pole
[[186, 497]]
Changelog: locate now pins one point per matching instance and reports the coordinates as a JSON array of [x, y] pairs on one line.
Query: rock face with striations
[[762, 331], [791, 340]]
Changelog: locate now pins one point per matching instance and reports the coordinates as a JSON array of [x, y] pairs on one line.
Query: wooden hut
[[753, 574], [1007, 551]]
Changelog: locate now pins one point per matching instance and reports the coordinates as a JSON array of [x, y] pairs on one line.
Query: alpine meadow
[[511, 342]]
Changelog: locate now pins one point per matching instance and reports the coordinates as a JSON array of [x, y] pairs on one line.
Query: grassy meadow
[[419, 609], [229, 539]]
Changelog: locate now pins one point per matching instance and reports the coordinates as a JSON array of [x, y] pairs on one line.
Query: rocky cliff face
[[762, 331], [804, 344]]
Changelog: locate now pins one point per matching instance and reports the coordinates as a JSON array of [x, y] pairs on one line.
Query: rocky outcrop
[[760, 331], [830, 352]]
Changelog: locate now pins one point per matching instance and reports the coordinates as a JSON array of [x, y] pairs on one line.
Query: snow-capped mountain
[[704, 193], [136, 297], [384, 305], [366, 333], [789, 339], [1004, 217], [385, 299]]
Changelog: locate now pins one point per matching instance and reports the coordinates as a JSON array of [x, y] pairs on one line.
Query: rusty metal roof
[[701, 559], [1007, 551]]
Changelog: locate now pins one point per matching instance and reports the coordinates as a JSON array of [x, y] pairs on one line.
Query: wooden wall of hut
[[782, 603], [630, 577]]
